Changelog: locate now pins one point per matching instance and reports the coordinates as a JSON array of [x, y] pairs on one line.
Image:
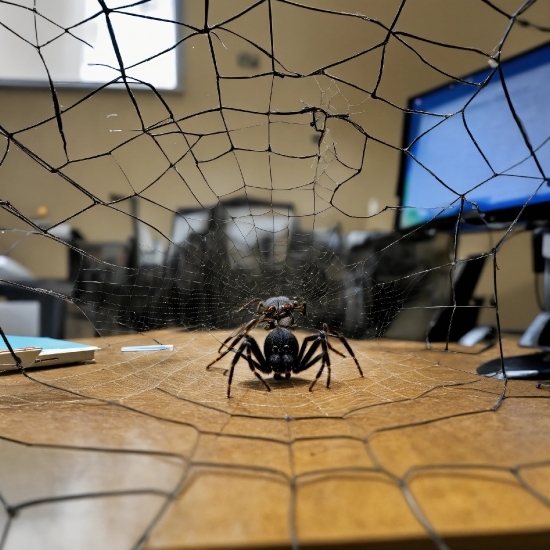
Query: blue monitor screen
[[508, 176]]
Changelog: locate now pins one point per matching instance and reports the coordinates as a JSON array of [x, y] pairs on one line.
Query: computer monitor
[[482, 144], [463, 138]]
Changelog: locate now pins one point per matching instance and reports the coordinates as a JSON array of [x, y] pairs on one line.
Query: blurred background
[[157, 209]]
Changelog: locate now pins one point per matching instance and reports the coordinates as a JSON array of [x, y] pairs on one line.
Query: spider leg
[[227, 340], [316, 359], [326, 358], [240, 333], [260, 362], [253, 364], [345, 342], [223, 354], [236, 339], [323, 357], [250, 361], [242, 308], [306, 362], [238, 355], [233, 335], [335, 350], [251, 346], [305, 341]]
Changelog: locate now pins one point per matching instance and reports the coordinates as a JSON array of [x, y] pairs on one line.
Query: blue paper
[[19, 342]]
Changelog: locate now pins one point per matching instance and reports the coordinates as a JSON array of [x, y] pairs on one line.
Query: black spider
[[274, 312], [282, 357]]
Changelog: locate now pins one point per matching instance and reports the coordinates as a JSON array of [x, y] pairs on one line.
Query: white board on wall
[[73, 40]]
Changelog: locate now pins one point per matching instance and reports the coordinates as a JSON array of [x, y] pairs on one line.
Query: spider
[[282, 356], [274, 312]]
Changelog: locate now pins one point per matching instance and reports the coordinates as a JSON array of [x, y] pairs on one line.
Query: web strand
[[255, 180]]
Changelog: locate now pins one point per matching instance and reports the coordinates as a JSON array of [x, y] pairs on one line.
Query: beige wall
[[303, 40]]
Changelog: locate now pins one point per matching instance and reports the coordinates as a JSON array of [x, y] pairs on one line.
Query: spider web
[[248, 186]]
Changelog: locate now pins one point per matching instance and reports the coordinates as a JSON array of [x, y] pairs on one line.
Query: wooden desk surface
[[145, 449]]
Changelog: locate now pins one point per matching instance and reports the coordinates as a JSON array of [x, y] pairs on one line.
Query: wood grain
[[146, 447]]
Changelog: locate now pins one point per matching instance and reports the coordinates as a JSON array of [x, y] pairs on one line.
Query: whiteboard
[[70, 41]]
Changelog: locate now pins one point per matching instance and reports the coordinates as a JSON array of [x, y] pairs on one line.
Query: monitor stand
[[532, 366]]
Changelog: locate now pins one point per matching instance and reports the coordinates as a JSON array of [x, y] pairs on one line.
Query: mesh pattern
[[261, 170]]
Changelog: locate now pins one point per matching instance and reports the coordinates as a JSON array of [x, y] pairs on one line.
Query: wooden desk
[[146, 447]]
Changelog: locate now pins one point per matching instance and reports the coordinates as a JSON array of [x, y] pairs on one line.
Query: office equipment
[[20, 317], [159, 347], [48, 294], [79, 63], [485, 165], [12, 270], [396, 285], [27, 356], [454, 323], [532, 365], [498, 183], [53, 352], [477, 335]]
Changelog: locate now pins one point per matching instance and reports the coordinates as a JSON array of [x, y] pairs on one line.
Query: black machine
[[477, 154]]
